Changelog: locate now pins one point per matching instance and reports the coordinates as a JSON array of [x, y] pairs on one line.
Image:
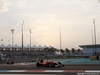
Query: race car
[[42, 63], [10, 62]]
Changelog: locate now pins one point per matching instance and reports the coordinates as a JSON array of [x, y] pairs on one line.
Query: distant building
[[2, 56], [90, 49], [16, 47], [35, 50]]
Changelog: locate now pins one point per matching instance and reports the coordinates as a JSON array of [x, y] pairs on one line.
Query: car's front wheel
[[59, 63], [12, 62]]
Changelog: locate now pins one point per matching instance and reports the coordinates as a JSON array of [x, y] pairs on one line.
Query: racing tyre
[[59, 63], [12, 62], [7, 63], [37, 64]]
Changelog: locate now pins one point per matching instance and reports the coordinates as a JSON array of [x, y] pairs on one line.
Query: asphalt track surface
[[66, 67], [33, 67]]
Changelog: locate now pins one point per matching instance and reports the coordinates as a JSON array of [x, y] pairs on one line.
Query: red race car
[[42, 63]]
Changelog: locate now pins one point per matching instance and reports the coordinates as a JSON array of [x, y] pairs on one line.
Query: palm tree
[[67, 51], [57, 50], [73, 51], [62, 51], [52, 49], [49, 50], [79, 51]]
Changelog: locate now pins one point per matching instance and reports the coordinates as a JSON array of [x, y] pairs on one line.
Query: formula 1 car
[[10, 62], [48, 64]]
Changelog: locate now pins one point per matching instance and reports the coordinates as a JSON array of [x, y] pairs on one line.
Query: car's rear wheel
[[38, 64], [7, 63]]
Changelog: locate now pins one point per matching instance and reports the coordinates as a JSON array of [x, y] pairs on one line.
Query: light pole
[[94, 35], [12, 30], [65, 53], [92, 40], [30, 39], [2, 41], [60, 40], [22, 37]]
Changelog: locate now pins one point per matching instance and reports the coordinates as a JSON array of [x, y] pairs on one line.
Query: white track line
[[92, 71]]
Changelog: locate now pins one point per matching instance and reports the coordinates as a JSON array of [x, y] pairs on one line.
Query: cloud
[[88, 5], [4, 5], [45, 17], [24, 4]]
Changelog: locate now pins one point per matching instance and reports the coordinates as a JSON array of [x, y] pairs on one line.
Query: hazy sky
[[45, 17]]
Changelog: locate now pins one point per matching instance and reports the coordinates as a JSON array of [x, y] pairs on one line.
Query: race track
[[23, 68]]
